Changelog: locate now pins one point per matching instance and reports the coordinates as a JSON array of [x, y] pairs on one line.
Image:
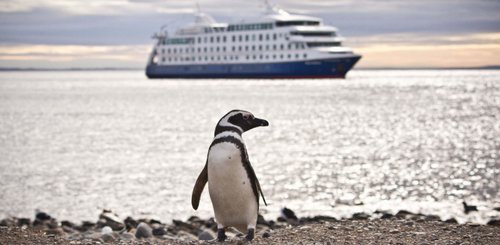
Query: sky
[[117, 33]]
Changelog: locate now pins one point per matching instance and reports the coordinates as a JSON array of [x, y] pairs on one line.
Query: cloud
[[69, 29]]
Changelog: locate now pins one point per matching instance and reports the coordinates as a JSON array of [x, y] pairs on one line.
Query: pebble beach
[[379, 228]]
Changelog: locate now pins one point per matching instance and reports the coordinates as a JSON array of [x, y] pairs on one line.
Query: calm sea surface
[[72, 143]]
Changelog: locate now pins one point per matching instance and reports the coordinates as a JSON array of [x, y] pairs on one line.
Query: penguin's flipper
[[198, 187], [260, 190]]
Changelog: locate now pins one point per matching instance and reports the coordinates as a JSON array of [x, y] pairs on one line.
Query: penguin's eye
[[246, 117]]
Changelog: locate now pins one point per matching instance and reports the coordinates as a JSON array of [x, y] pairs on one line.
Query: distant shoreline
[[13, 69]]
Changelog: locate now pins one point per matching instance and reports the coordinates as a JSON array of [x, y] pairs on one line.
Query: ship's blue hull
[[325, 68]]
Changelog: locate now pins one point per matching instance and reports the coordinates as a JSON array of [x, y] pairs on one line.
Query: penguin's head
[[240, 120]]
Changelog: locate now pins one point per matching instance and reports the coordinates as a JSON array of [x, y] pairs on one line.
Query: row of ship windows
[[219, 58], [236, 48], [218, 39]]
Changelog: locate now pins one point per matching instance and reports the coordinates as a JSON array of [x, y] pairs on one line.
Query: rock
[[8, 222], [143, 231], [451, 221], [159, 231], [206, 236], [130, 223], [108, 237], [403, 214], [85, 226], [495, 222], [107, 218], [266, 234], [106, 230], [23, 221], [432, 218], [42, 216], [68, 224], [360, 216], [127, 236], [186, 227], [288, 214], [55, 231], [409, 223], [386, 216], [262, 221], [497, 209]]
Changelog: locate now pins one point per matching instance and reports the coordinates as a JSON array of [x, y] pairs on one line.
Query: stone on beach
[[206, 235], [107, 218], [143, 231]]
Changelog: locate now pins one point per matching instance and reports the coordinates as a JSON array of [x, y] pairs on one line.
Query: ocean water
[[72, 143]]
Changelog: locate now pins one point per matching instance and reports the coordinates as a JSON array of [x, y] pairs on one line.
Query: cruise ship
[[276, 45]]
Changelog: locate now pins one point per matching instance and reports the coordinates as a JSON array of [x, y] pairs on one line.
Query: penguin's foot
[[221, 235], [250, 234]]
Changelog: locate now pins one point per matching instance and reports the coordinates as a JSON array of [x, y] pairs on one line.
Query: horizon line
[[7, 69]]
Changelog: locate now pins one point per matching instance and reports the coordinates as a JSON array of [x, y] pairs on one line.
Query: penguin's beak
[[257, 122]]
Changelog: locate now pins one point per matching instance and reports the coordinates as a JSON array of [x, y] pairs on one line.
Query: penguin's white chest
[[230, 188]]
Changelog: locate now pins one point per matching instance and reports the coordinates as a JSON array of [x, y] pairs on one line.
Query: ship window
[[212, 58], [305, 55], [297, 56], [274, 46], [240, 38], [224, 39], [211, 49], [254, 57], [217, 39], [163, 59], [248, 57], [199, 39], [205, 49], [282, 46], [205, 39], [260, 57], [274, 56], [253, 48], [289, 56], [234, 38], [253, 37], [260, 47], [275, 36], [233, 48], [239, 48], [267, 47], [289, 46], [281, 56], [199, 50], [217, 49], [267, 36], [260, 37], [267, 57], [206, 58], [168, 51], [246, 38], [175, 50], [246, 48], [224, 49], [211, 39]]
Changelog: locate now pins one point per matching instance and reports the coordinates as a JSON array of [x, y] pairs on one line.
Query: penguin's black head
[[240, 120]]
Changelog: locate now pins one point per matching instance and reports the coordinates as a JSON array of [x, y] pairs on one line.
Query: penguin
[[232, 184]]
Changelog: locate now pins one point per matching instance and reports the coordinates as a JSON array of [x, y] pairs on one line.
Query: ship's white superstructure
[[276, 37]]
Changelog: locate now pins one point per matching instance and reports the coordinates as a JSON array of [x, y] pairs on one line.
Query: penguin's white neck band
[[228, 133]]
